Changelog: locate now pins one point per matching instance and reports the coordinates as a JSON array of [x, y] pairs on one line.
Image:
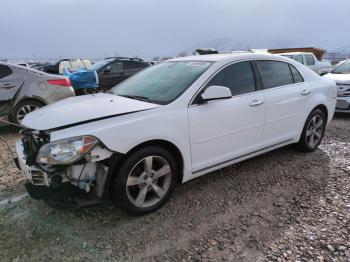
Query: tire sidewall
[[118, 185], [303, 144]]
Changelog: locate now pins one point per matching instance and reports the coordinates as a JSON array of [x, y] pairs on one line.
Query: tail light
[[60, 82]]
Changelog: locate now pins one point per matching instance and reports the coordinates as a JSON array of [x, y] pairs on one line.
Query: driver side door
[[224, 130], [112, 74]]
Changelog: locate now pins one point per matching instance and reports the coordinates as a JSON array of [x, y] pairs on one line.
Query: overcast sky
[[147, 28]]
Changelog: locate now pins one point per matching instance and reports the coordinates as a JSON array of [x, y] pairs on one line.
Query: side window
[[143, 64], [296, 75], [299, 58], [115, 67], [238, 77], [309, 60], [5, 71], [275, 73], [129, 65]]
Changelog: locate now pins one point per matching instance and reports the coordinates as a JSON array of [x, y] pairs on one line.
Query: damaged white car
[[170, 123]]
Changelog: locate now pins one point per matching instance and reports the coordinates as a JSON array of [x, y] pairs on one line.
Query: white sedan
[[341, 75], [172, 122], [310, 60]]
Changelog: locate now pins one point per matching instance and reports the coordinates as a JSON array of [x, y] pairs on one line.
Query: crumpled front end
[[80, 164]]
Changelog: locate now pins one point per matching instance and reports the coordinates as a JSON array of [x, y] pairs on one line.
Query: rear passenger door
[[283, 85], [222, 130], [9, 86]]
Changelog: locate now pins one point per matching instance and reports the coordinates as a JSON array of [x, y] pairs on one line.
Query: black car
[[113, 70]]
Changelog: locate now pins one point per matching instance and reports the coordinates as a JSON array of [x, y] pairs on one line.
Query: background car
[[71, 64], [23, 90], [39, 66], [341, 75], [310, 60], [113, 70]]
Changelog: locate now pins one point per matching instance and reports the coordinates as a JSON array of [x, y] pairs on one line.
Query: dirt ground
[[280, 206]]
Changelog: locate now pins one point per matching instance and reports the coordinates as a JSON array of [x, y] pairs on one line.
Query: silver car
[[23, 90]]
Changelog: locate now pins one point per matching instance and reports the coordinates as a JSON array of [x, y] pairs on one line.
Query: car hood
[[83, 109], [339, 78]]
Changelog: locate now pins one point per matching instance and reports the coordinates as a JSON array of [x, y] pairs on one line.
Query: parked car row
[[310, 60], [27, 87], [170, 123]]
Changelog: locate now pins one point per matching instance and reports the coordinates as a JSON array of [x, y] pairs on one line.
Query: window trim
[[257, 80], [262, 82]]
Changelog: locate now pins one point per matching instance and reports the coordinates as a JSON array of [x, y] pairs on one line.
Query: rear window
[[275, 73], [5, 71]]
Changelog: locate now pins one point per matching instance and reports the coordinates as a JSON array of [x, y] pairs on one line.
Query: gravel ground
[[280, 206]]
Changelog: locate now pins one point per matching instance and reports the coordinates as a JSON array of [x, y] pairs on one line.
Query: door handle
[[7, 86], [305, 92], [256, 103]]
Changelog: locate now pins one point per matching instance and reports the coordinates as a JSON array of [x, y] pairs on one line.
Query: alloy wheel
[[26, 109], [149, 181], [315, 131]]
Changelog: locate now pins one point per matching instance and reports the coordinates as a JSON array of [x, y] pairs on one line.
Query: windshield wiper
[[141, 98]]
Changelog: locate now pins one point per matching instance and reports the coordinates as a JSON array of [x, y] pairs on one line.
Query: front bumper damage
[[75, 186]]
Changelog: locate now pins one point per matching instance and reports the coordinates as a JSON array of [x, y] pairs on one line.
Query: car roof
[[23, 68], [295, 53], [227, 56]]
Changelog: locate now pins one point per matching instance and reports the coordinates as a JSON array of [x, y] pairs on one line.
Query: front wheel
[[313, 131], [145, 180]]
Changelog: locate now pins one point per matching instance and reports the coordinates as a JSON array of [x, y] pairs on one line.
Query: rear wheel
[[313, 131], [145, 180], [23, 108]]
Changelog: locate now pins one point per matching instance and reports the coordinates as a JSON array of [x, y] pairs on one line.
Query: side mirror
[[106, 71], [215, 93]]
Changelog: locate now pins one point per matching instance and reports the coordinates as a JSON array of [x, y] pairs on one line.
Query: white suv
[[172, 122]]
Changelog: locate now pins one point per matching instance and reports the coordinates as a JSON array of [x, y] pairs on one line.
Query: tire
[[145, 181], [315, 126], [24, 107]]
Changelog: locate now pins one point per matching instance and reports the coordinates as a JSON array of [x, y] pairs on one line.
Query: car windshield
[[343, 68], [97, 66], [162, 83]]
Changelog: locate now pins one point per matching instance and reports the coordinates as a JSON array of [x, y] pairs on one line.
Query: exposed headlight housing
[[66, 151]]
